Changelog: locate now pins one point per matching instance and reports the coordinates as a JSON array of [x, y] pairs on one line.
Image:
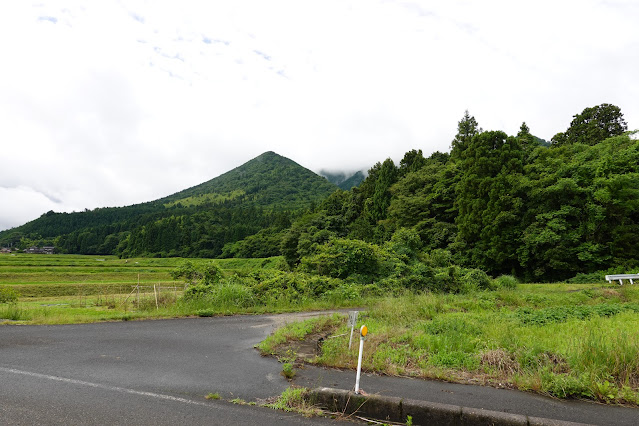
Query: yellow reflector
[[363, 331]]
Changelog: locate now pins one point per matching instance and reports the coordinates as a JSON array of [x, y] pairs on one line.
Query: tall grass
[[562, 340], [14, 312]]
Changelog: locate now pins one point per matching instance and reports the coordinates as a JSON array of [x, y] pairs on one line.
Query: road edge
[[387, 408]]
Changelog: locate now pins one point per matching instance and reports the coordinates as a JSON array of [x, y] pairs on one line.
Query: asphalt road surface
[[159, 372], [140, 373]]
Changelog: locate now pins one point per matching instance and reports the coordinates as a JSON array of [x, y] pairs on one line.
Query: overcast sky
[[114, 103]]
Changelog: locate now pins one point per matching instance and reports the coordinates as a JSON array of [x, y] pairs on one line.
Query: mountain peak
[[266, 180], [198, 221]]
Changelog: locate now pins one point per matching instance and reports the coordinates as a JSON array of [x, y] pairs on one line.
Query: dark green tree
[[593, 125], [489, 202], [525, 138], [413, 160], [467, 127], [583, 210], [425, 201]]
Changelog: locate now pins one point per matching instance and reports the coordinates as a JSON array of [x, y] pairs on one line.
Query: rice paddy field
[[54, 289]]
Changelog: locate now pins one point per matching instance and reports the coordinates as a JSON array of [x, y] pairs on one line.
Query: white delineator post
[[362, 334], [352, 320]]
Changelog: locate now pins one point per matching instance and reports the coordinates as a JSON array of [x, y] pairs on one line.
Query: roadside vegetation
[[563, 340], [427, 321]]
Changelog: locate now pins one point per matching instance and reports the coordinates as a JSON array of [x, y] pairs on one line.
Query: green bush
[[346, 291], [448, 280], [233, 295], [594, 277], [506, 281], [212, 274], [8, 295], [15, 312], [209, 274], [197, 291], [405, 243], [418, 276], [340, 257], [280, 285], [475, 279], [440, 258]]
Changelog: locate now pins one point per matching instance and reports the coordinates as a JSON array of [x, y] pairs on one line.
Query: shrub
[[197, 291], [405, 243], [343, 292], [448, 280], [279, 285], [419, 276], [188, 272], [475, 279], [341, 257], [440, 258], [594, 277], [506, 281], [233, 295], [212, 274], [8, 295]]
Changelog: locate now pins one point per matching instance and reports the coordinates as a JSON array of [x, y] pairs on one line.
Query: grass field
[[63, 289], [38, 275], [55, 289], [555, 339]]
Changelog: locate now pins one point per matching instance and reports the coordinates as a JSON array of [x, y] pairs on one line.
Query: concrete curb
[[422, 412]]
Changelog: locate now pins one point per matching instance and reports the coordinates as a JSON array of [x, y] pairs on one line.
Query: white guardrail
[[621, 277]]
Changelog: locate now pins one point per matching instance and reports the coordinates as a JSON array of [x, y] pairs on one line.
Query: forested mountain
[[344, 180], [507, 204], [268, 180], [264, 193]]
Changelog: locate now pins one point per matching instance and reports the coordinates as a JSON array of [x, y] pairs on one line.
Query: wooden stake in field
[[138, 287], [156, 298]]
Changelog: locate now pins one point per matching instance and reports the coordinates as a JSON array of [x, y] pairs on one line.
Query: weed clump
[[8, 295], [13, 312], [294, 399], [507, 282], [287, 370]]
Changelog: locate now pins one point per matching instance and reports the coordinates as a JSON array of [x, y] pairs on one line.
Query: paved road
[[141, 372], [158, 372]]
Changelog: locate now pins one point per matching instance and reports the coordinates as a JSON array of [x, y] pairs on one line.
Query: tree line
[[503, 204]]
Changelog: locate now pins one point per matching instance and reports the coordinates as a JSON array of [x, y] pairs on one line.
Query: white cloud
[[113, 103]]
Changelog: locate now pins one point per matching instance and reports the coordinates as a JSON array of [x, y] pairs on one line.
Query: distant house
[[40, 250], [5, 250]]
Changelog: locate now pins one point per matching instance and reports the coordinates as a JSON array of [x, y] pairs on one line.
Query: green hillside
[[352, 181], [268, 180], [264, 193], [345, 181]]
